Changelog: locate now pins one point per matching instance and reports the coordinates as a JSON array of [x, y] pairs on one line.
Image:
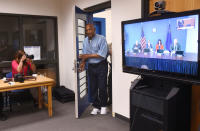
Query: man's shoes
[[94, 111], [103, 111], [3, 117]]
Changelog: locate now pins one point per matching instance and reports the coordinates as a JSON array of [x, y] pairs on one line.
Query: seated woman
[[22, 65], [159, 45]]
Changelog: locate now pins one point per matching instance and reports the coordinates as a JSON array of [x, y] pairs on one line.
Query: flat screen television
[[163, 46]]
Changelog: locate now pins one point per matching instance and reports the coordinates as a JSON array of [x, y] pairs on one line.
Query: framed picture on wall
[[188, 23], [33, 50]]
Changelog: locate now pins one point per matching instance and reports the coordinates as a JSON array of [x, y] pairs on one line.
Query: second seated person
[[159, 45], [136, 47], [176, 46], [149, 46]]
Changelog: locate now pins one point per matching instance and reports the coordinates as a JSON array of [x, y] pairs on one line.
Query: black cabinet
[[158, 106]]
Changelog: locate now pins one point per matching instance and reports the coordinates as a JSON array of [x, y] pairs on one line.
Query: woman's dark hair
[[19, 54], [160, 41]]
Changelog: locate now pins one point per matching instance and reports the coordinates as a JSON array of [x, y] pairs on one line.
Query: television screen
[[165, 46]]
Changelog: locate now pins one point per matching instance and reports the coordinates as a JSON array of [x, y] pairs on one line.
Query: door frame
[[99, 7]]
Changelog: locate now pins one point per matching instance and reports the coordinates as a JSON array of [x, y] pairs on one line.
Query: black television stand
[[158, 104]]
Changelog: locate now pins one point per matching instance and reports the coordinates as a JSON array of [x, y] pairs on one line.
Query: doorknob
[[76, 63], [75, 66]]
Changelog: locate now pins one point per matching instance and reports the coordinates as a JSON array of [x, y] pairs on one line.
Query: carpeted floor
[[27, 118]]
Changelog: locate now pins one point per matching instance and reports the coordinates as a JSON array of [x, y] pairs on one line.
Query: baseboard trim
[[122, 117]]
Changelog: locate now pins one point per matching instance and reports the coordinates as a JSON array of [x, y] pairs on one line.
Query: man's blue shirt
[[97, 45]]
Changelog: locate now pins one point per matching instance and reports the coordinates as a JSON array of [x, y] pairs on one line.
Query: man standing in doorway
[[95, 51]]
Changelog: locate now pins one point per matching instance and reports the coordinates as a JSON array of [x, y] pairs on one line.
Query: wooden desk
[[40, 81]]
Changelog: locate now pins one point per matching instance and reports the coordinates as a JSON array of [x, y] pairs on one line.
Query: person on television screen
[[159, 45], [175, 46], [149, 45], [95, 51], [136, 47]]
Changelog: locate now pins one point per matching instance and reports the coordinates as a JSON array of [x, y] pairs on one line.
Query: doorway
[[104, 28], [102, 22]]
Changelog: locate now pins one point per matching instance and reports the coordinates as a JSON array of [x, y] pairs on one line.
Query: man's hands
[[81, 66], [86, 56], [83, 58]]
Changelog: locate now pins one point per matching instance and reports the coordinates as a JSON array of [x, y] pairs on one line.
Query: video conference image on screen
[[169, 45]]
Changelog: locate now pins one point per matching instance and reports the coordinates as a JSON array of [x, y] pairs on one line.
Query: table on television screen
[[186, 64]]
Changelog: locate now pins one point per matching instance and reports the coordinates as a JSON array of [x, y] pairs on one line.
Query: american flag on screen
[[143, 40]]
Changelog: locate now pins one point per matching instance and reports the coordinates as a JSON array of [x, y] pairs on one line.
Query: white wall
[[35, 7], [121, 10], [66, 45]]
